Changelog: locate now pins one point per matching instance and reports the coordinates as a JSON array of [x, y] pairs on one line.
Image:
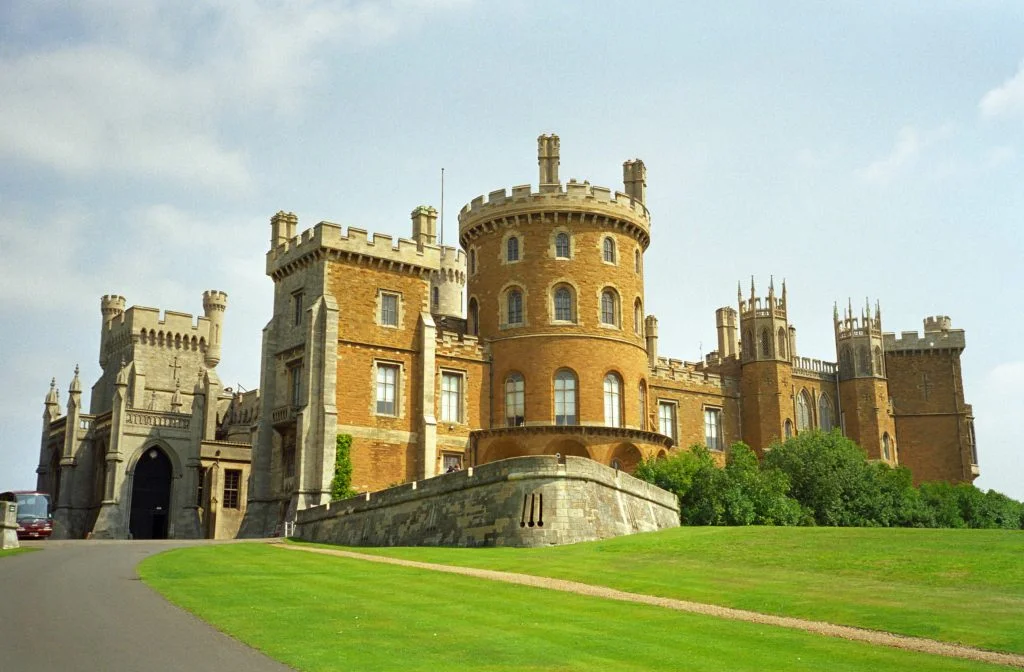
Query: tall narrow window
[[638, 317], [563, 304], [612, 400], [565, 398], [803, 411], [713, 428], [435, 296], [562, 246], [782, 343], [387, 387], [295, 383], [643, 406], [389, 309], [232, 487], [636, 260], [609, 308], [474, 317], [788, 429], [512, 249], [472, 261], [515, 400], [824, 413], [886, 446], [766, 343], [451, 397], [297, 307], [609, 250], [515, 307], [667, 419]]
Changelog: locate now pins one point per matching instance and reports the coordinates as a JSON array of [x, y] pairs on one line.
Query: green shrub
[[341, 484]]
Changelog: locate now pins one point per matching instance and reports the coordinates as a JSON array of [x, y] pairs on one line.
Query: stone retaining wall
[[524, 501]]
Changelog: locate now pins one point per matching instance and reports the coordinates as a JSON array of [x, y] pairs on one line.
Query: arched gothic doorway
[[151, 495]]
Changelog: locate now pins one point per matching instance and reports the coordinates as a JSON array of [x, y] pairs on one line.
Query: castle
[[531, 338]]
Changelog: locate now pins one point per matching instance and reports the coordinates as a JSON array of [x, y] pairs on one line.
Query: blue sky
[[854, 149]]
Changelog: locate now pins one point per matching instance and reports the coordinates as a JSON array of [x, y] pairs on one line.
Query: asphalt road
[[79, 606]]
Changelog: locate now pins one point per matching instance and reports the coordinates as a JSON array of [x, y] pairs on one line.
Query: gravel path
[[879, 638]]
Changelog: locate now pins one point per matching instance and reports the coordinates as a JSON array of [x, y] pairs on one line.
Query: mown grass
[[14, 551], [962, 586], [314, 612]]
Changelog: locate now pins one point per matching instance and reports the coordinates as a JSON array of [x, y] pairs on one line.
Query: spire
[[878, 312], [783, 291], [835, 311], [739, 291], [52, 398], [753, 292], [76, 385]]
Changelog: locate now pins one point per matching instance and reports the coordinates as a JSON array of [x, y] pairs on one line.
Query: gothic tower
[[863, 388], [766, 379]]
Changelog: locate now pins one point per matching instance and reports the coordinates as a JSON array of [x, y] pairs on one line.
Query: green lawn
[[323, 613], [956, 585], [15, 551]]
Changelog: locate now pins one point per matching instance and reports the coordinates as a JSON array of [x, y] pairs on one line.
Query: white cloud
[[911, 143], [1007, 99], [149, 91]]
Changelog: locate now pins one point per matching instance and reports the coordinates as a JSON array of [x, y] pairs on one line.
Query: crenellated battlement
[[690, 372], [931, 341], [937, 323], [327, 239], [453, 264], [574, 197], [853, 326]]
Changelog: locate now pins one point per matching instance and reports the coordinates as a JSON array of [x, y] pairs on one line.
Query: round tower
[[214, 304], [555, 285], [111, 306], [447, 283]]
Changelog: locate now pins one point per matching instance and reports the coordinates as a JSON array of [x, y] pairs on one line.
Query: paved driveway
[[79, 606]]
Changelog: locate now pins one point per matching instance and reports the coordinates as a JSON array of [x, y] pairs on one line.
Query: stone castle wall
[[526, 501]]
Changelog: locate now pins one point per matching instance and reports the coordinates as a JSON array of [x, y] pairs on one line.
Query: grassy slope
[[956, 585], [320, 613]]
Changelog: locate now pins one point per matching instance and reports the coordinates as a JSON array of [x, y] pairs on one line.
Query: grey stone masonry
[[525, 501], [8, 525]]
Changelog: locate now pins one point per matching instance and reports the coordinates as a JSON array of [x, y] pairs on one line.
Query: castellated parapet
[[140, 324], [695, 374], [327, 239], [582, 200], [447, 283], [938, 335]]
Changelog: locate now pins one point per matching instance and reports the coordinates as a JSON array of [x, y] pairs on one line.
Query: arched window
[[766, 343], [886, 446], [643, 406], [638, 317], [610, 307], [515, 307], [846, 362], [803, 411], [512, 249], [515, 400], [876, 361], [435, 296], [565, 398], [863, 361], [748, 344], [562, 245], [474, 317], [563, 305], [612, 400], [789, 429], [636, 260], [783, 338], [472, 261], [609, 250], [824, 413]]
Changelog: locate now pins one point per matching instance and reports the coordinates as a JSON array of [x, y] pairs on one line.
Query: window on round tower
[[472, 261], [609, 308], [609, 250], [638, 318], [563, 305], [562, 246], [514, 316], [612, 400], [636, 260], [512, 249], [766, 343]]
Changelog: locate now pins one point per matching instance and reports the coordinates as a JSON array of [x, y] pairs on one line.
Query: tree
[[341, 484]]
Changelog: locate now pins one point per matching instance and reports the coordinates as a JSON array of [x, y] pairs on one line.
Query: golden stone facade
[[531, 338]]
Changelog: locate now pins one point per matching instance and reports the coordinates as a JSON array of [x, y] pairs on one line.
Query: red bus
[[34, 518]]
